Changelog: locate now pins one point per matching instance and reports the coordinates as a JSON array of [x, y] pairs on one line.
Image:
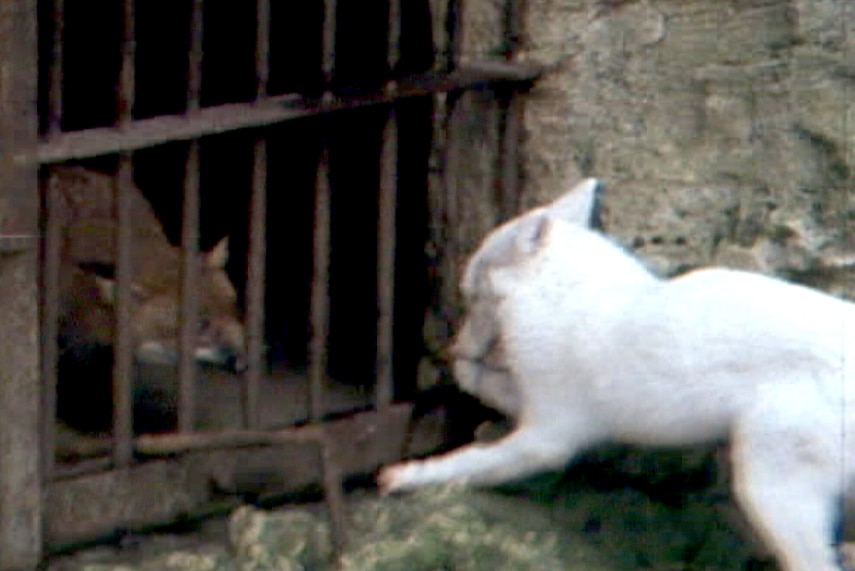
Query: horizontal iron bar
[[267, 111]]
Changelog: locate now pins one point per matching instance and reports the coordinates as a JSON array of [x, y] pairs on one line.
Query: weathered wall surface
[[724, 129]]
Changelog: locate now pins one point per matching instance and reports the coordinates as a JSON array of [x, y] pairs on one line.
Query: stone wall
[[724, 130]]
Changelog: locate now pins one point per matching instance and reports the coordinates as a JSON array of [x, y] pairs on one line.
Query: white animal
[[580, 344]]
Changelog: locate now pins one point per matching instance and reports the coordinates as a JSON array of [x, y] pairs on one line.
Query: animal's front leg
[[521, 453]]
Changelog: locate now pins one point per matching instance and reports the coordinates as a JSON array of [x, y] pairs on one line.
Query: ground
[[556, 521]]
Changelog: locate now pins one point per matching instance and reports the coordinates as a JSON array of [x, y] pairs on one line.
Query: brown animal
[[87, 294]]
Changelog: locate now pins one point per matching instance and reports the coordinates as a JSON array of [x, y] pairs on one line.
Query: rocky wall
[[724, 130]]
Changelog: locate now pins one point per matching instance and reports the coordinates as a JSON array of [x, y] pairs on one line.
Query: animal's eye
[[204, 323]]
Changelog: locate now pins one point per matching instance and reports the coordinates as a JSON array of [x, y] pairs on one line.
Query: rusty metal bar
[[230, 117], [123, 343], [123, 429], [328, 45], [178, 443], [386, 237], [257, 233], [127, 74], [50, 320], [393, 47], [55, 74], [331, 472], [511, 118], [454, 33], [262, 47], [255, 284], [194, 68], [188, 330], [319, 304], [51, 249]]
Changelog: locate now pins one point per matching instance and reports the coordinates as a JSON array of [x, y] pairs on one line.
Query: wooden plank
[[86, 507], [268, 111], [20, 384]]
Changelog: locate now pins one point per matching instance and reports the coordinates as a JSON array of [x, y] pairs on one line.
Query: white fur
[[573, 337]]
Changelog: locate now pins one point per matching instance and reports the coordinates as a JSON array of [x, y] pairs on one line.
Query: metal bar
[[328, 41], [123, 343], [514, 26], [123, 430], [255, 284], [319, 304], [127, 74], [262, 47], [386, 237], [331, 472], [168, 444], [55, 74], [234, 116], [393, 47], [511, 118], [188, 330], [454, 33], [50, 321], [194, 68]]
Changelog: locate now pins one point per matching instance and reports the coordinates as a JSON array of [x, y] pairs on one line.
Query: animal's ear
[[579, 205], [218, 256], [532, 232]]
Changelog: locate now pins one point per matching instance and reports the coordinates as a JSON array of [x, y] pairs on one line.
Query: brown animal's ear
[[218, 256], [578, 205]]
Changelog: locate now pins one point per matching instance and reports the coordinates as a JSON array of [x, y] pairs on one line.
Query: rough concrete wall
[[724, 129]]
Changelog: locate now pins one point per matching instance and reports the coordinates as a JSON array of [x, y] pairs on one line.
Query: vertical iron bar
[[123, 357], [55, 82], [454, 33], [255, 283], [511, 119], [262, 47], [319, 304], [194, 69], [384, 390], [123, 349], [187, 335], [328, 47], [257, 232], [333, 494], [386, 262], [50, 321], [127, 75], [188, 329]]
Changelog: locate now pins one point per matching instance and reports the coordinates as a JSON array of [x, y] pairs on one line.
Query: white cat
[[577, 341]]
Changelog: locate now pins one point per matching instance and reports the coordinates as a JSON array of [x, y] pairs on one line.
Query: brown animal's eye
[[204, 323]]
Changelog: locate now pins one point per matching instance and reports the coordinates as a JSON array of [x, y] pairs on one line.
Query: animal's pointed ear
[[532, 232], [579, 205], [218, 256]]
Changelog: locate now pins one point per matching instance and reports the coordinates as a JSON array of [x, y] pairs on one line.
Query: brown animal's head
[[156, 310]]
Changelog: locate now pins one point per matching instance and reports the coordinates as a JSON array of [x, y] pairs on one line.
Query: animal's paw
[[394, 478]]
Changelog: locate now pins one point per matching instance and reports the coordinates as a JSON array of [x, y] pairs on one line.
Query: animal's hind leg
[[787, 477]]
